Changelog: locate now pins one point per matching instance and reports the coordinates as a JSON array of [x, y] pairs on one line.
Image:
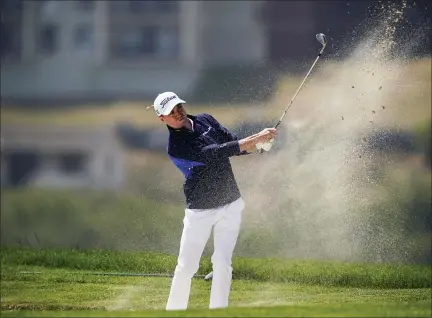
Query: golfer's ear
[[161, 117]]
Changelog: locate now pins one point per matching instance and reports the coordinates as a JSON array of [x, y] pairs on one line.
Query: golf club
[[323, 40], [209, 276]]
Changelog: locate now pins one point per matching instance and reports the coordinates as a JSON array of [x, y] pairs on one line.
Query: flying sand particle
[[345, 190]]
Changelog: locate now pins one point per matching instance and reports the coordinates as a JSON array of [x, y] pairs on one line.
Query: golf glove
[[265, 146]]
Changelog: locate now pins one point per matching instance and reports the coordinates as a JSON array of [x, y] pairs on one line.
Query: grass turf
[[62, 283], [75, 292]]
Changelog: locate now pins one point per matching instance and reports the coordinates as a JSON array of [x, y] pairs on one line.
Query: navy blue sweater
[[202, 155]]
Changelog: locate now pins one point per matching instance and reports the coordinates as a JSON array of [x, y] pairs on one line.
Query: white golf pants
[[198, 224]]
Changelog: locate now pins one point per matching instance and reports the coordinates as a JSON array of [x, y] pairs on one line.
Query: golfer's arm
[[217, 151], [229, 136], [228, 149], [248, 144]]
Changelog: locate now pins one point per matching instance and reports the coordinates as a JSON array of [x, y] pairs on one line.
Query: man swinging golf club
[[266, 146], [201, 147]]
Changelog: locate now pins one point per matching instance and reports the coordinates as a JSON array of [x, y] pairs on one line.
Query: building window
[[149, 41], [48, 9], [83, 37], [10, 41], [144, 29], [48, 40], [85, 5], [140, 6], [143, 6], [72, 163], [153, 6], [167, 6], [167, 42], [11, 29], [127, 43], [11, 5]]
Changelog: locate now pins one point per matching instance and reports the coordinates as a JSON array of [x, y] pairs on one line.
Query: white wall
[[39, 75], [233, 32], [103, 169]]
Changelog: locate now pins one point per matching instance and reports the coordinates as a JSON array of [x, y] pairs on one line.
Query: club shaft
[[298, 90]]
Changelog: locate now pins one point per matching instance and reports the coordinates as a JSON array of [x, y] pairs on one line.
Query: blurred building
[[115, 49], [61, 157], [121, 48]]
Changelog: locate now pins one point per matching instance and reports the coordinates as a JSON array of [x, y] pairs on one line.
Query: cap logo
[[166, 100]]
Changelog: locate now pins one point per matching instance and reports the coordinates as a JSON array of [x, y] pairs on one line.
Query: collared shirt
[[202, 155], [192, 124]]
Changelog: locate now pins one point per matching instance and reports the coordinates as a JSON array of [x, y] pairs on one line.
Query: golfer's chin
[[180, 123], [183, 122]]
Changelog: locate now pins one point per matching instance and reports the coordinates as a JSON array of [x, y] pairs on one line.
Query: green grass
[[89, 219], [153, 221], [324, 273], [56, 292], [65, 282], [409, 309]]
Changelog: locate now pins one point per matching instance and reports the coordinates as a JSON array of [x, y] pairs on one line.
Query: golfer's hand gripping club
[[321, 39], [265, 146], [265, 139]]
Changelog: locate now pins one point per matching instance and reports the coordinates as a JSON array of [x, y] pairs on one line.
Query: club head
[[321, 39], [209, 276]]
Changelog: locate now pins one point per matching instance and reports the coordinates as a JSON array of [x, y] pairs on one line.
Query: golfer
[[200, 147]]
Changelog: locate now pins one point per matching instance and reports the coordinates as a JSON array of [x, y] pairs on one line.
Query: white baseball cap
[[165, 102]]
